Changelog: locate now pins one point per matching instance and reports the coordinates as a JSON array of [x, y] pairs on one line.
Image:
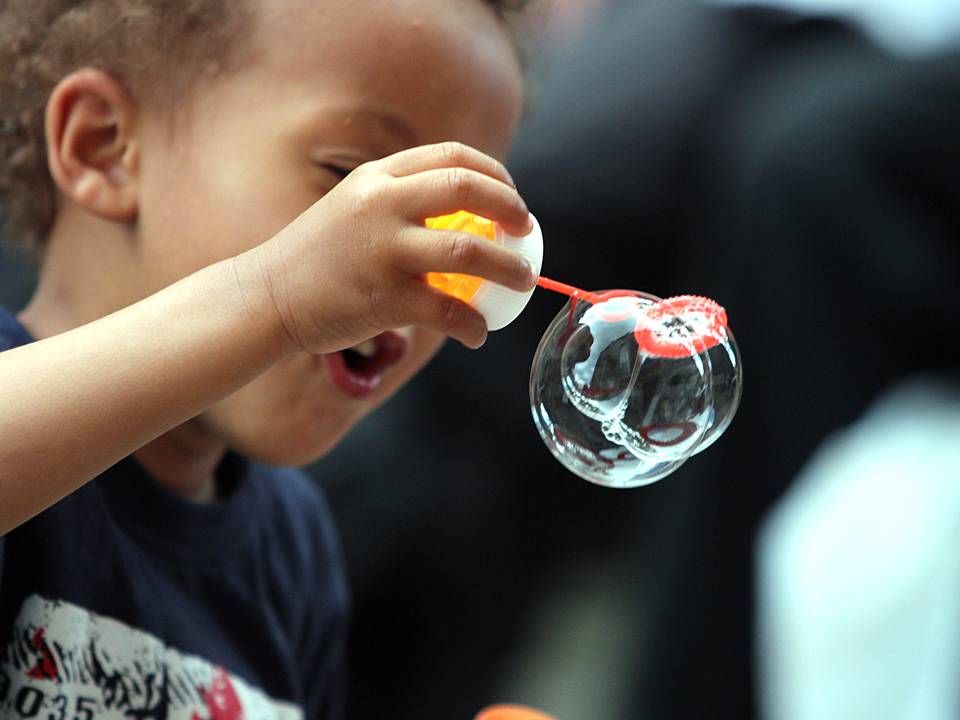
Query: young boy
[[229, 198]]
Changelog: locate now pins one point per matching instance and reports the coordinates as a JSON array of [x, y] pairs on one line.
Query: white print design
[[65, 663]]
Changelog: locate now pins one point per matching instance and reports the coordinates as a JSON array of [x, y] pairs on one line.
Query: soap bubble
[[599, 356], [625, 387]]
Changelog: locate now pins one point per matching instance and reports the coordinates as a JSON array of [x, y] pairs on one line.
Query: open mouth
[[359, 370]]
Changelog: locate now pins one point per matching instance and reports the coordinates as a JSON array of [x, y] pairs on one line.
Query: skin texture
[[216, 338]]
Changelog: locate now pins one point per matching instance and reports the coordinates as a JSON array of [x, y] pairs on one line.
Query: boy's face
[[329, 85]]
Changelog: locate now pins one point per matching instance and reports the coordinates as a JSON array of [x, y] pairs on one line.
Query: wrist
[[257, 295]]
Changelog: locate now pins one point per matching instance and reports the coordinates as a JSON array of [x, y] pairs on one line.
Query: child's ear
[[91, 144]]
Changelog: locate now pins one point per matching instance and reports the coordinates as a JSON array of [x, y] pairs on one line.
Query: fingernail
[[483, 336], [531, 274], [529, 222]]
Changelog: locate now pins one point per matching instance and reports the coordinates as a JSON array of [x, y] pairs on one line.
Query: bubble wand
[[625, 386]]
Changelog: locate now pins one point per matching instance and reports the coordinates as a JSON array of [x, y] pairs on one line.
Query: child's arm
[[350, 267], [74, 404]]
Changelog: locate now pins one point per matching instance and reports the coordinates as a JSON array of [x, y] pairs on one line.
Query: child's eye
[[338, 170]]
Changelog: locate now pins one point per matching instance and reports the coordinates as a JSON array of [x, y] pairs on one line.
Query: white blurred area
[[859, 570]]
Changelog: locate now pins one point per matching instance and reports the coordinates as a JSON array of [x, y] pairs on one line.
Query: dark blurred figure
[[827, 222], [804, 177], [839, 178]]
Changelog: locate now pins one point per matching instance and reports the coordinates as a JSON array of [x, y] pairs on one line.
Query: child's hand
[[353, 265]]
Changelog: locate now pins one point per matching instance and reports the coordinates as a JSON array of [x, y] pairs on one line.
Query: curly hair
[[42, 41]]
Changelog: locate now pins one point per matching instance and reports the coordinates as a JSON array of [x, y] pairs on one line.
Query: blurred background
[[798, 161]]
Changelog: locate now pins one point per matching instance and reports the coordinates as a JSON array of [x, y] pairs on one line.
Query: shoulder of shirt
[[12, 333]]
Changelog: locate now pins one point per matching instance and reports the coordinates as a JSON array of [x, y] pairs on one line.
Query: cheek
[[207, 203], [288, 416], [291, 415]]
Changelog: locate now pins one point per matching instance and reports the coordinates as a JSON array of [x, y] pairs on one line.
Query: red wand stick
[[568, 290]]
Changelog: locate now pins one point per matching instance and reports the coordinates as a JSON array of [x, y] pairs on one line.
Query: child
[[228, 198]]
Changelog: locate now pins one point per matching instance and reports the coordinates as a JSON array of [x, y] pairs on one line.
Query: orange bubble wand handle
[[512, 712], [568, 290]]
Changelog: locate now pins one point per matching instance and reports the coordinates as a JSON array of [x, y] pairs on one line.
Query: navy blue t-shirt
[[125, 601]]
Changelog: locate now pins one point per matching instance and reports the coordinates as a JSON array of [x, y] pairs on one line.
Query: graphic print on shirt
[[65, 663]]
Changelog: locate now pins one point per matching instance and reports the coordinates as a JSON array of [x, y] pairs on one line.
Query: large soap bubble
[[626, 386]]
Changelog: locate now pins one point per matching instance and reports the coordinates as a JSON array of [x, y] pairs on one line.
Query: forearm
[[74, 404]]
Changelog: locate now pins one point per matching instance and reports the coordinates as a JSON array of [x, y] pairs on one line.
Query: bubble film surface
[[625, 389]]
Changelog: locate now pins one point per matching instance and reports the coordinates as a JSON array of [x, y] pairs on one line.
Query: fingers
[[430, 181], [422, 250], [445, 155], [424, 306], [434, 180], [439, 192]]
